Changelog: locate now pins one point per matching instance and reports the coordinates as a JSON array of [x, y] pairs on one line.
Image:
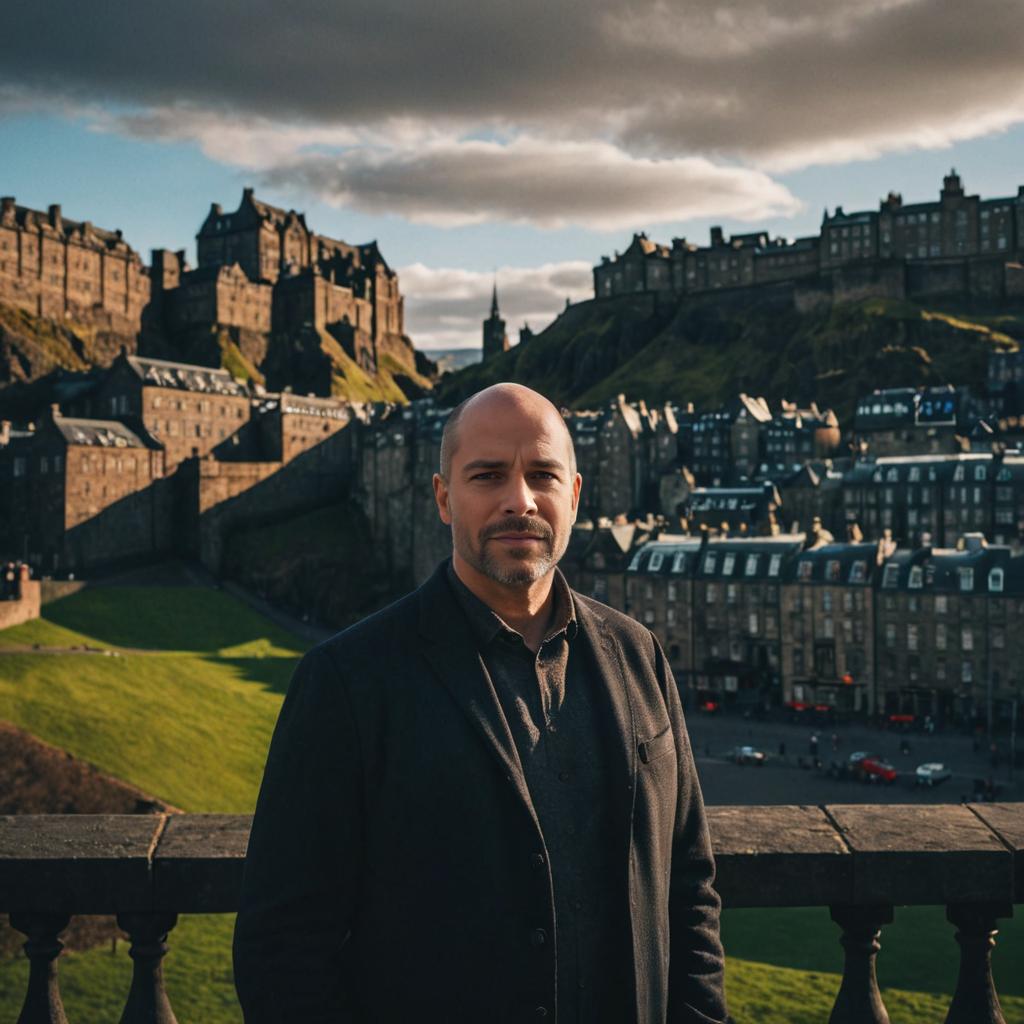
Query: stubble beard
[[533, 565]]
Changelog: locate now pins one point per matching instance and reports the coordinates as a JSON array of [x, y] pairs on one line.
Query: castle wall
[[25, 608]]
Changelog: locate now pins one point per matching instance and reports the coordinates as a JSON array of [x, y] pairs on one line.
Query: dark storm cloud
[[789, 81]]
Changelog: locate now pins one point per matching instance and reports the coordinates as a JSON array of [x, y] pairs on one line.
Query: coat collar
[[451, 648]]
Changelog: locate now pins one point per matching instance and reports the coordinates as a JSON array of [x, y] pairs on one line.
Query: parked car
[[931, 774], [872, 768], [747, 755]]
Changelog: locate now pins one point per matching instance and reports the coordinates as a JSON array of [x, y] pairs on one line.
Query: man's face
[[511, 494]]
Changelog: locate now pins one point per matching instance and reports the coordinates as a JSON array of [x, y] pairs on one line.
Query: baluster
[[975, 1000], [147, 999], [859, 1001], [42, 999]]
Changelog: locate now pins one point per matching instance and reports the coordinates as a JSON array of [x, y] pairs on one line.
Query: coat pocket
[[658, 746]]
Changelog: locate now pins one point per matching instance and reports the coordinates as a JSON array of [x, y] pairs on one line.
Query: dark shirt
[[560, 725]]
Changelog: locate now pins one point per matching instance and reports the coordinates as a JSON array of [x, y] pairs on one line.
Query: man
[[480, 804]]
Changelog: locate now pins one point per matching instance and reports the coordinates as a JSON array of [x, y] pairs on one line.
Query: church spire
[[494, 300]]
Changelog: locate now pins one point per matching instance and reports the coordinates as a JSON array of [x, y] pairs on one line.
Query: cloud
[[445, 307], [769, 82], [549, 184]]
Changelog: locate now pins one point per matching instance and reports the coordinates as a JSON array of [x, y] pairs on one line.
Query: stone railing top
[[852, 854]]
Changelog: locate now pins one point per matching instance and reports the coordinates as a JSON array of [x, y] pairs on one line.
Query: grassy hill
[[184, 709], [705, 351]]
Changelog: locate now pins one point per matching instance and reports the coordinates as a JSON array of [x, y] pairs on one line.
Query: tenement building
[[958, 244], [857, 628]]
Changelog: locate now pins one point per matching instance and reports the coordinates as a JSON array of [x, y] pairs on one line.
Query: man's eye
[[484, 476], [546, 475]]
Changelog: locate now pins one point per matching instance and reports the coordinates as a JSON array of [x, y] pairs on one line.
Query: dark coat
[[396, 869]]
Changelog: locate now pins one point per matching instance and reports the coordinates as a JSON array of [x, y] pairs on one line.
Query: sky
[[519, 142]]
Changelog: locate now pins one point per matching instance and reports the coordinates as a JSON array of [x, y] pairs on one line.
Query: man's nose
[[518, 499]]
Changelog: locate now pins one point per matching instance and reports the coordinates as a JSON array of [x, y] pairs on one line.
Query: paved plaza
[[781, 780]]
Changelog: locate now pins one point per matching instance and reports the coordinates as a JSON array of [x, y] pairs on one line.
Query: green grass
[[190, 723]]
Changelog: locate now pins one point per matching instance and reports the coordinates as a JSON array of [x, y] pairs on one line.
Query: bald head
[[490, 405]]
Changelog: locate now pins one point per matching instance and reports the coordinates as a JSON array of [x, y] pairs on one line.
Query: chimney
[[6, 205], [55, 216]]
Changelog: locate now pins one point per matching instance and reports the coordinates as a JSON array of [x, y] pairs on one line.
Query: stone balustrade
[[860, 861]]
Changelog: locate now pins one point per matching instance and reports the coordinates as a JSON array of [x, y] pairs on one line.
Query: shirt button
[[537, 860], [541, 1011], [564, 776], [538, 937], [582, 984]]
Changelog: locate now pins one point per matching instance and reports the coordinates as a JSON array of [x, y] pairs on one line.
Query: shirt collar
[[487, 624]]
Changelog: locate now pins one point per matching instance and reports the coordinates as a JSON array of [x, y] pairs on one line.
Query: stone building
[[793, 437], [189, 410], [262, 271], [946, 631], [495, 338], [934, 499], [55, 267], [908, 421], [727, 441], [959, 244], [622, 451], [827, 613], [85, 491]]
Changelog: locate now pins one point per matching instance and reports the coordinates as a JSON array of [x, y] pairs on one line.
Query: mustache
[[526, 525]]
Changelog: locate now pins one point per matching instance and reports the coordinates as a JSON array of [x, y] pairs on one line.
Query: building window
[[916, 578], [670, 615], [672, 592], [655, 563], [678, 561], [890, 634], [774, 564], [728, 563], [941, 604], [752, 563], [649, 616], [710, 561], [752, 624], [940, 636], [967, 672], [891, 575], [911, 636], [967, 639], [858, 572], [805, 570], [995, 581], [966, 576]]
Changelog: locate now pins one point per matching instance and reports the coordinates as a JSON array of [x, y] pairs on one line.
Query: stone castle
[[960, 244], [261, 273]]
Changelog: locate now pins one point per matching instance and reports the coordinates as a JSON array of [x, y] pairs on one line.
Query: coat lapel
[[606, 655], [450, 649]]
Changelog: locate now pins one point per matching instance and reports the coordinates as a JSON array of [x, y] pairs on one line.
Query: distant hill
[[705, 351], [449, 360]]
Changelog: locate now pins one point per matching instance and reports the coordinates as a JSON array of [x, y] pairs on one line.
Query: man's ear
[[576, 485], [441, 497]]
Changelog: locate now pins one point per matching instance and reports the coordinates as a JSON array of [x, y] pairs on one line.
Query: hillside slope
[[706, 351], [35, 351]]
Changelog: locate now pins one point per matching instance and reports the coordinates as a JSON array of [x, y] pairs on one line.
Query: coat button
[[537, 860], [538, 937], [541, 1011]]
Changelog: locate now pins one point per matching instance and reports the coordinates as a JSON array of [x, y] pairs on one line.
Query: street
[[781, 781]]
